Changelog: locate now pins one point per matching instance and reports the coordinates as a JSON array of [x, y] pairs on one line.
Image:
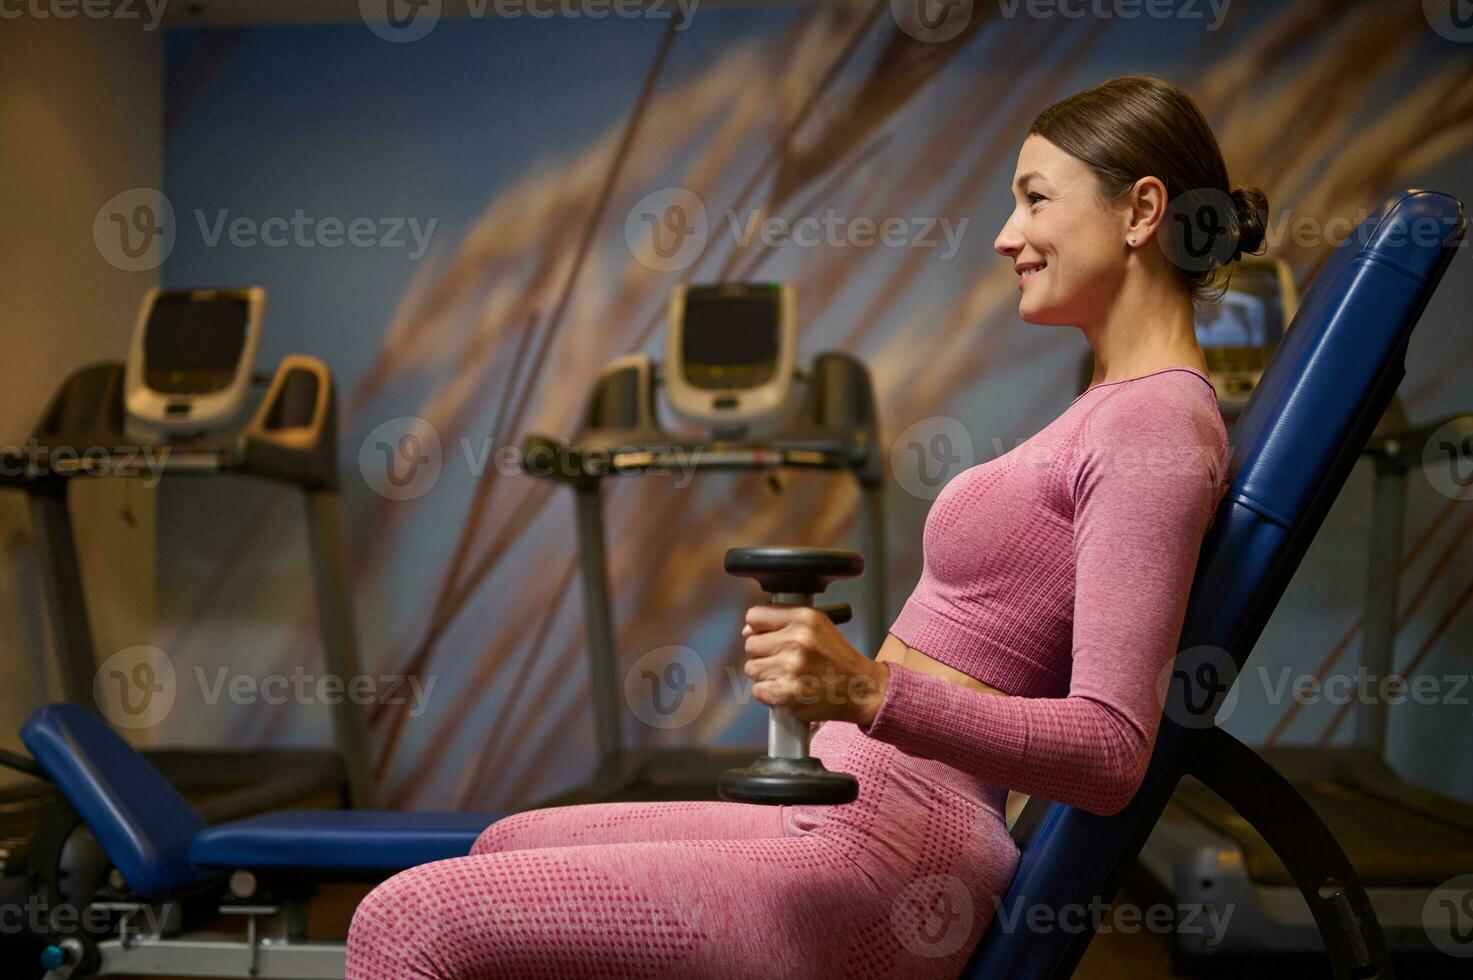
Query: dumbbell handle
[[788, 735]]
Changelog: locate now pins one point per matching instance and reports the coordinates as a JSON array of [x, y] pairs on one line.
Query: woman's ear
[[1146, 201]]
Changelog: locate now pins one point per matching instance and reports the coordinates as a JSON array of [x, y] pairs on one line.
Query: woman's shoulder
[[1172, 398]]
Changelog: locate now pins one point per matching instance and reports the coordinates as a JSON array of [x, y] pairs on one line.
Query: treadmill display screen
[[730, 337], [1251, 313], [193, 346]]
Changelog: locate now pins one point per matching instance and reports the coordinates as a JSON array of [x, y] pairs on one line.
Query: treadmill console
[[729, 352], [1240, 334], [191, 360]]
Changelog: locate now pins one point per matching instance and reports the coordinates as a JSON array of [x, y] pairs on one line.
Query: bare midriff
[[894, 650]]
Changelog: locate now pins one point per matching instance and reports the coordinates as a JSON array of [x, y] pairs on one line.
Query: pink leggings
[[900, 883]]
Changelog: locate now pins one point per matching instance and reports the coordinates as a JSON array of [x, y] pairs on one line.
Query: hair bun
[[1251, 205]]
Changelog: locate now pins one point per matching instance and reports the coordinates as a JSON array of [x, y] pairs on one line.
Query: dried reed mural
[[802, 111]]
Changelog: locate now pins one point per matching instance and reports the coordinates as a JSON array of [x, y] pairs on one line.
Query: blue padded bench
[[161, 846], [1305, 425]]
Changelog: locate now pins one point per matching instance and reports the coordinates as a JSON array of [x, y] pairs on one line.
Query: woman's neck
[[1152, 325]]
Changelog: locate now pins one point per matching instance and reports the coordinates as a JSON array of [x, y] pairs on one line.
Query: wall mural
[[530, 191]]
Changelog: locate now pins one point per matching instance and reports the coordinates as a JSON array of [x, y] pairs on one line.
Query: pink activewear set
[[1057, 572]]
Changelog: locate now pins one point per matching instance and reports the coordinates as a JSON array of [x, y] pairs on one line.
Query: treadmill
[[731, 372], [1403, 841], [189, 392]]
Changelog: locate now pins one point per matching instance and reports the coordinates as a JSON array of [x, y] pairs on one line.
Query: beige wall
[[81, 110]]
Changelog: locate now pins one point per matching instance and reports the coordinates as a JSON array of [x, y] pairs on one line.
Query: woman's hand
[[798, 660]]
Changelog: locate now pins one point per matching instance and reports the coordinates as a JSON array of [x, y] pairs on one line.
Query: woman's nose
[[1008, 242]]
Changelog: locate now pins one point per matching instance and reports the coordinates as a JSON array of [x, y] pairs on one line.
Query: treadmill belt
[[1390, 839]]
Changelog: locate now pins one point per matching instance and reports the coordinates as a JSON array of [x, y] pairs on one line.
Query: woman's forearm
[[1073, 750]]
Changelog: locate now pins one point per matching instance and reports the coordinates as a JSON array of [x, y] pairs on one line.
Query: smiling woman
[[1029, 657], [1103, 177]]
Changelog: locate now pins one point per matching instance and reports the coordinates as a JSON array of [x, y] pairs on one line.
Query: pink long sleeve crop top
[[1058, 573]]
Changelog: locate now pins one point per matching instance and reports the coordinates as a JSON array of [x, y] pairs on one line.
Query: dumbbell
[[787, 773]]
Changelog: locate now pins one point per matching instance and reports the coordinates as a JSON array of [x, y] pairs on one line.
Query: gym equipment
[[190, 364], [729, 349], [88, 430], [828, 422], [1304, 426], [1404, 841], [787, 773], [1300, 434], [1240, 334]]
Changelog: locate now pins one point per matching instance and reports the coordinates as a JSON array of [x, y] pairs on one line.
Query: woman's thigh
[[789, 907], [623, 823]]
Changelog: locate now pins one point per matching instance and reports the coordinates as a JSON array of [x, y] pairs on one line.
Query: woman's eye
[[1034, 198]]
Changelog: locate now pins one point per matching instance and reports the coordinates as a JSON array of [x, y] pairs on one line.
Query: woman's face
[[1065, 242]]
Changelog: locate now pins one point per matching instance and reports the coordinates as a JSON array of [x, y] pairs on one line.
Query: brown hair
[[1139, 126]]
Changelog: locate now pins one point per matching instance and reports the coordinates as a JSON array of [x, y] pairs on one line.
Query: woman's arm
[[1146, 483]]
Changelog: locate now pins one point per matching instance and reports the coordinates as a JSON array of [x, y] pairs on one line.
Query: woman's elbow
[[1120, 787]]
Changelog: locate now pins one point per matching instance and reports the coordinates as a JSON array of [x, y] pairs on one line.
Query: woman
[[1031, 655]]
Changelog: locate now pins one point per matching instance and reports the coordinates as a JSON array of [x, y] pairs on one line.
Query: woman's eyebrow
[[1023, 179]]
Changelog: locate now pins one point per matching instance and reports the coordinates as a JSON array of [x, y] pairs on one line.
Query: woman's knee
[[386, 936], [507, 834]]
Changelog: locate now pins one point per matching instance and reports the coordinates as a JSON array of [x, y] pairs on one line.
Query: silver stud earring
[[1132, 239]]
